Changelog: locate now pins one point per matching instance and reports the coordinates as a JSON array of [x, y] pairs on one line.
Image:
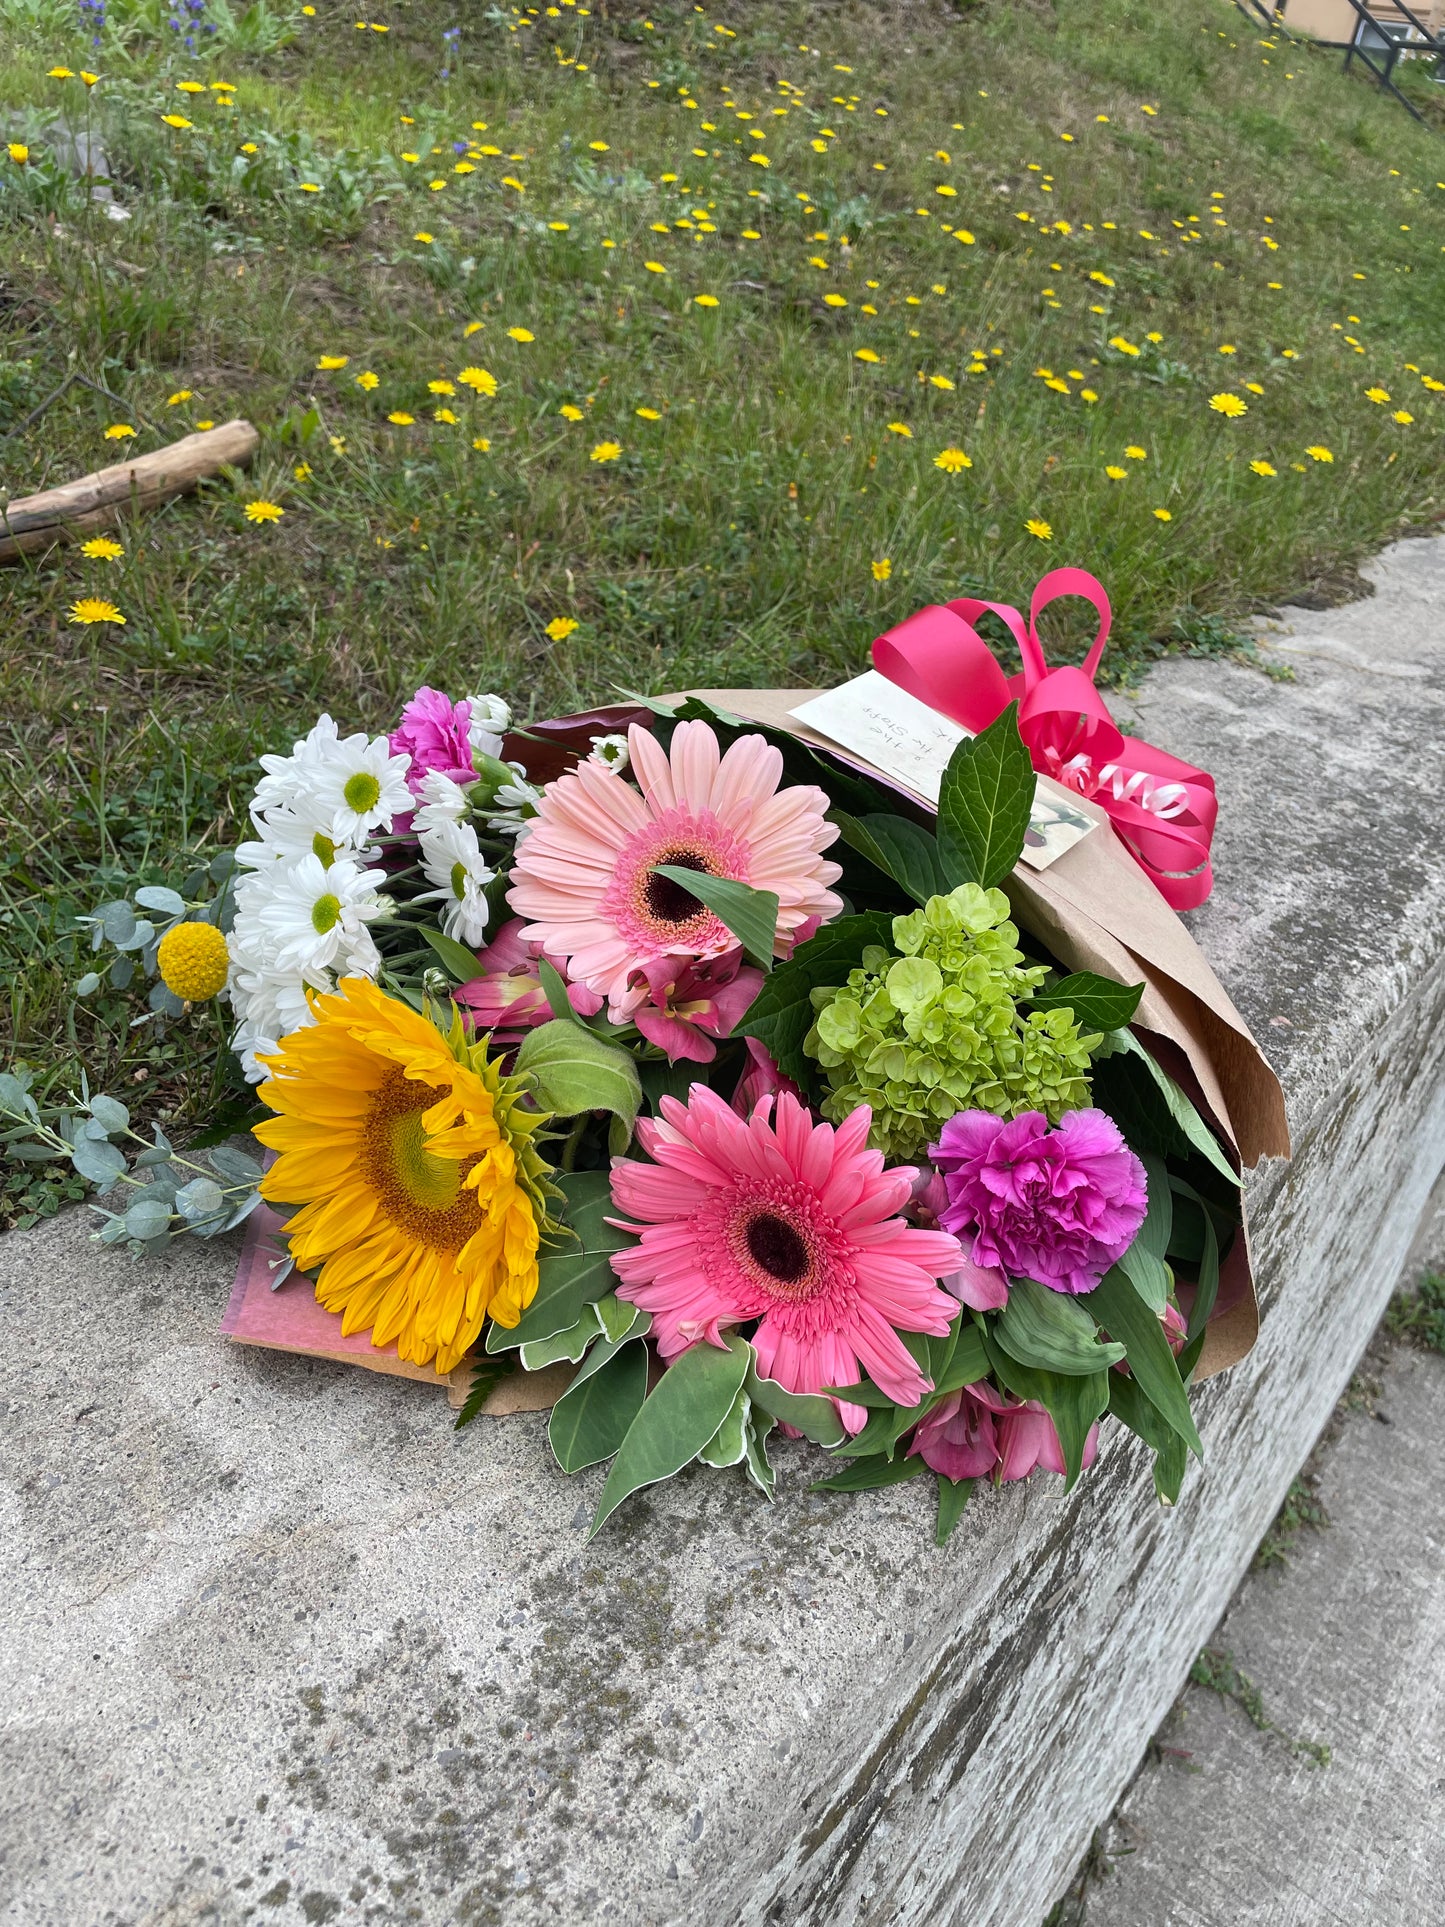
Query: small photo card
[[910, 743]]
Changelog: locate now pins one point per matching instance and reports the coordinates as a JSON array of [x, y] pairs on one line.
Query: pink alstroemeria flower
[[761, 1078], [680, 1004], [978, 1431], [506, 996]]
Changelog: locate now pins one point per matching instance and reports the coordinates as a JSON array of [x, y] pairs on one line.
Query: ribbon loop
[[1163, 810]]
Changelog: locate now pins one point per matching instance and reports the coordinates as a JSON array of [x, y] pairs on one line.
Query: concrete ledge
[[284, 1646]]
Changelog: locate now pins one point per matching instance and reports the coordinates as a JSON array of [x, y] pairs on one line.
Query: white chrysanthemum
[[513, 806], [489, 720], [611, 752], [309, 917], [440, 801], [283, 836], [452, 860], [270, 1002], [345, 786]]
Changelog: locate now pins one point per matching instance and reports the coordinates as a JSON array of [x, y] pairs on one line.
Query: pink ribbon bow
[[1163, 810]]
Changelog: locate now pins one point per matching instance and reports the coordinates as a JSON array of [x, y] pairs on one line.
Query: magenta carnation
[[789, 1223], [433, 731], [1059, 1205]]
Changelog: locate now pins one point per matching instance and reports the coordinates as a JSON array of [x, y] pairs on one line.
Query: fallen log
[[97, 501]]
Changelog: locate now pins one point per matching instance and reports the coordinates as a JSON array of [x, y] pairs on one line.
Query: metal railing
[[1380, 39]]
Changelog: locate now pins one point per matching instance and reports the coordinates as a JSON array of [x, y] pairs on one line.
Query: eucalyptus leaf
[[984, 803], [810, 1413], [953, 1496], [143, 934], [117, 920], [110, 1114], [1051, 1332], [15, 1098], [572, 1071], [594, 1414], [155, 896], [729, 1444], [690, 1402], [902, 850], [781, 1015], [90, 982], [121, 972], [1120, 1310], [867, 1475], [751, 915], [27, 1151], [148, 1217], [98, 1162], [234, 1165], [164, 1002], [202, 1198], [1098, 1003]]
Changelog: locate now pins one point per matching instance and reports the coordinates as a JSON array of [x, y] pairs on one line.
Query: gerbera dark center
[[669, 902], [775, 1245]]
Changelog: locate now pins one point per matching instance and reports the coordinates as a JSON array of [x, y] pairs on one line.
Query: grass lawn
[[599, 349]]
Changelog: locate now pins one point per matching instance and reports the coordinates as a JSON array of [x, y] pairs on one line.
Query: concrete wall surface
[[282, 1646]]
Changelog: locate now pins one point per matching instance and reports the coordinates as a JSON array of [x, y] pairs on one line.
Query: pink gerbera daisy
[[586, 874], [792, 1224]]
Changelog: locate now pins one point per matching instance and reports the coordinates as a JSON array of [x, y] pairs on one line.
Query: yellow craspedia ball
[[193, 961]]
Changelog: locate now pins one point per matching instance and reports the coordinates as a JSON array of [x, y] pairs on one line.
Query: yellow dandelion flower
[[560, 627], [1255, 387], [193, 961], [59, 73], [951, 460], [1043, 530], [261, 511], [705, 300], [1319, 453], [310, 187], [1162, 515], [400, 417], [1097, 274], [367, 380], [479, 379], [100, 548], [760, 160], [302, 471], [882, 569], [1136, 454], [176, 120], [606, 451], [441, 388], [18, 152], [1403, 416], [599, 147], [444, 415], [1228, 348], [472, 328], [1229, 405], [1123, 346], [648, 414], [91, 608], [1115, 473], [1377, 394], [835, 300], [940, 381], [328, 362], [119, 432], [482, 442], [422, 236], [569, 412], [654, 267], [1088, 394], [1263, 468], [523, 335], [900, 428], [865, 354], [190, 87], [423, 1196]]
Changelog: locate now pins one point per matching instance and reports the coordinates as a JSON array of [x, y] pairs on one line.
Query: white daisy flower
[[283, 835], [611, 752], [358, 786], [513, 805], [452, 859], [490, 719], [308, 917], [441, 801], [277, 788]]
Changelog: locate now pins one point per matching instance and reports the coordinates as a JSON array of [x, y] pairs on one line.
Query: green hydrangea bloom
[[934, 1027]]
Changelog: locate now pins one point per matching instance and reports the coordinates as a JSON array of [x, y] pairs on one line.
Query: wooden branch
[[36, 522]]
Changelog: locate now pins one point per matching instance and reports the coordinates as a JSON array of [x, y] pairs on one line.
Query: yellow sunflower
[[422, 1194]]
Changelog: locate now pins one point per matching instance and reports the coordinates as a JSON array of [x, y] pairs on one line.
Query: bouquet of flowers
[[673, 1050]]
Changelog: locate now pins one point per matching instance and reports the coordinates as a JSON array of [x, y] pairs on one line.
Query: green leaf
[[751, 915], [952, 1498], [98, 1162], [155, 896], [813, 1415], [592, 1417], [984, 803], [759, 1466], [1148, 1275], [148, 1217], [619, 1319], [1098, 1003], [902, 850], [572, 1071], [881, 1433], [110, 1113], [1119, 1308], [574, 1274], [487, 1374], [781, 1014], [1179, 1105], [676, 1421], [867, 1475], [1206, 1291], [729, 1444], [1171, 1456], [1154, 1232], [968, 1363], [1051, 1332], [556, 990], [1072, 1403], [459, 962], [569, 1343]]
